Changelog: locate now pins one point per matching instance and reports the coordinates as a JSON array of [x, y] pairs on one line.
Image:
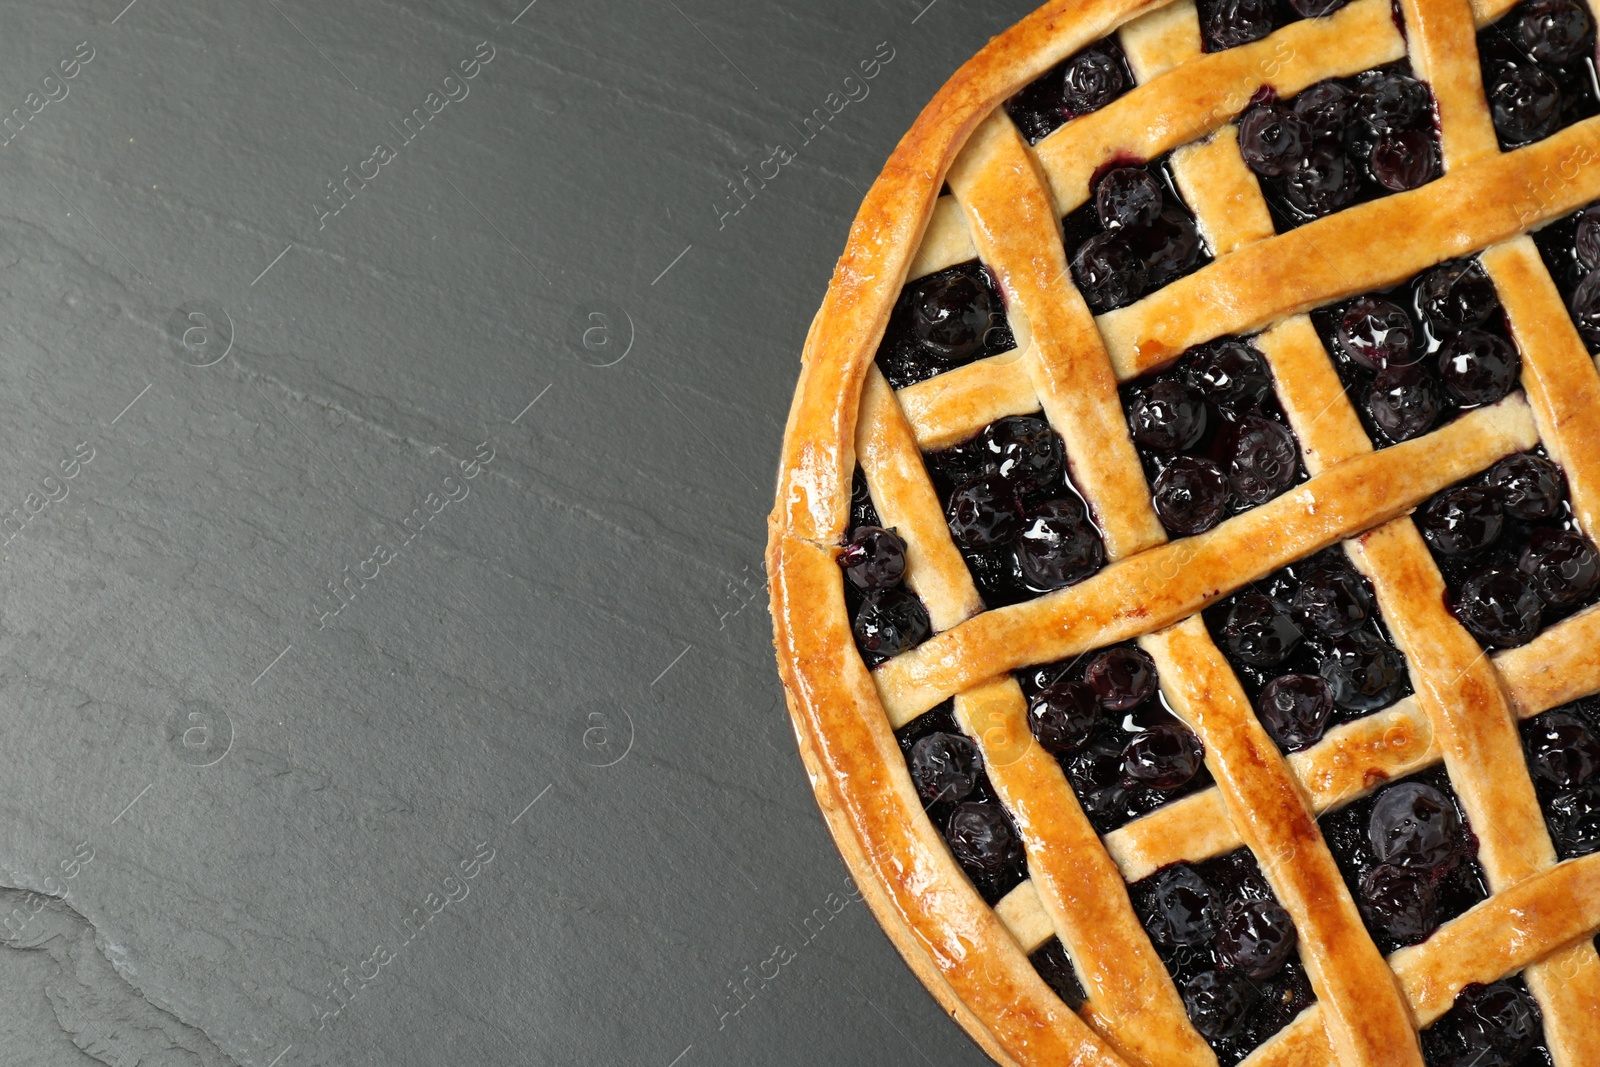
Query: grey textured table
[[391, 395]]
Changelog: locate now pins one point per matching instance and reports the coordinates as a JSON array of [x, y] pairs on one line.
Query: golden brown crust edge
[[817, 457]]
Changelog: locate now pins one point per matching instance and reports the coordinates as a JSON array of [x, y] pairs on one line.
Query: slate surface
[[520, 398]]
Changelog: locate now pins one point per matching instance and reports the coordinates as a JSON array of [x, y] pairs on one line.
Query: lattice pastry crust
[[1005, 205]]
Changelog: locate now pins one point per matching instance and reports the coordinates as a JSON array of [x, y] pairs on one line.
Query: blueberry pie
[[1184, 564]]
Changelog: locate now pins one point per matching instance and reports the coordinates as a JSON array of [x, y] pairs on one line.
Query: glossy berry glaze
[[1570, 248], [886, 617], [1083, 82], [944, 321], [1133, 236], [948, 772], [1310, 648], [1230, 947], [1513, 559], [1414, 356], [1539, 69], [1563, 749], [1227, 24], [1103, 717], [1341, 142], [1012, 509], [1408, 857], [1211, 435], [1495, 1025]]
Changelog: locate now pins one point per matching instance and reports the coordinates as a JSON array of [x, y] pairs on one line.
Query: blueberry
[[1090, 80], [1401, 902], [1166, 756], [1586, 238], [1294, 708], [875, 558], [1585, 307], [1182, 908], [1554, 31], [1231, 375], [1273, 140], [984, 513], [1109, 271], [1562, 566], [1478, 367], [1403, 159], [945, 767], [1415, 825], [1172, 246], [1128, 198], [1524, 102], [1387, 101], [1255, 937], [1023, 451], [1190, 495], [1404, 402], [1324, 185], [1531, 488], [1364, 673], [1462, 521], [1375, 333], [1062, 716], [1167, 416], [1326, 108], [950, 314], [1499, 606], [1230, 23], [1217, 1002], [1456, 296], [862, 512], [1057, 547], [890, 622], [1121, 678], [1260, 630], [984, 841], [1562, 750], [1096, 776], [1574, 820], [1265, 459], [1499, 1017], [1333, 600]]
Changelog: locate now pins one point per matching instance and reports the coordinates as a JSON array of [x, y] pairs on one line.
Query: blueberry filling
[[1570, 248], [1013, 511], [1414, 356], [886, 618], [1230, 947], [1513, 559], [1495, 1025], [1051, 961], [1084, 82], [947, 770], [944, 321], [1539, 69], [1408, 856], [1341, 142], [1563, 749], [1310, 648], [1227, 24], [1133, 236], [1103, 718], [1211, 435]]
